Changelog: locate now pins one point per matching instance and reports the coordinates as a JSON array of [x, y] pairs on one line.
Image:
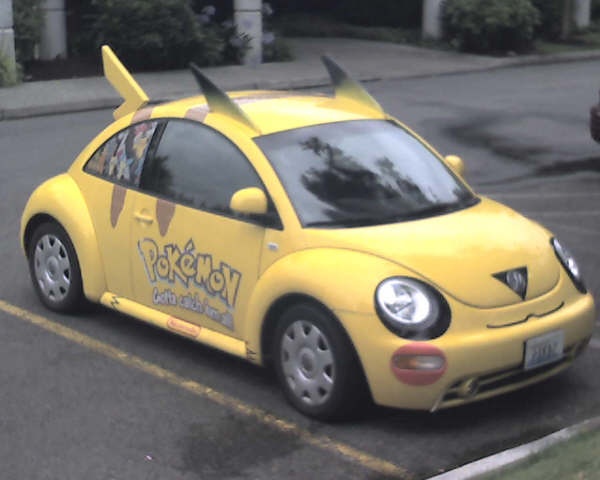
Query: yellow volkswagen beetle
[[314, 233]]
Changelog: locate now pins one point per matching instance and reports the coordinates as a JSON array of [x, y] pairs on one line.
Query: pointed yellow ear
[[122, 81]]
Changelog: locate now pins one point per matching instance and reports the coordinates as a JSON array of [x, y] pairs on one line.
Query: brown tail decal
[[164, 213], [143, 114], [117, 203], [197, 113]]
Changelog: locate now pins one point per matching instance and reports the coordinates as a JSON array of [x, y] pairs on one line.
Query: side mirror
[[456, 164], [249, 201]]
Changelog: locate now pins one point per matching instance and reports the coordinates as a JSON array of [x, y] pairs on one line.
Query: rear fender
[[60, 200]]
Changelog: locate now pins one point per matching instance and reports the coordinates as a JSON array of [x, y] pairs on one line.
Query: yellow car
[[313, 233]]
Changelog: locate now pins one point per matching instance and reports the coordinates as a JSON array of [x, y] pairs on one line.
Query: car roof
[[269, 111]]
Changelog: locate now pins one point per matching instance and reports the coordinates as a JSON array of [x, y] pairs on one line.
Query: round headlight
[[411, 308], [568, 261]]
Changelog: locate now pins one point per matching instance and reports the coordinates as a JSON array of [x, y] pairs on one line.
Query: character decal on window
[[122, 157]]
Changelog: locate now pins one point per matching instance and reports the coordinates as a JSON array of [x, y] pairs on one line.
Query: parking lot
[[103, 396]]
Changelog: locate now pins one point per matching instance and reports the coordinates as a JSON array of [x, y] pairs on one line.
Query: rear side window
[[121, 158]]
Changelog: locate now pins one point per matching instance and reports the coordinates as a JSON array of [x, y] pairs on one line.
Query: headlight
[[411, 308], [568, 261]]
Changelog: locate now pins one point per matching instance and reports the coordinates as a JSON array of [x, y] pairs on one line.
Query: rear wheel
[[54, 268], [316, 364]]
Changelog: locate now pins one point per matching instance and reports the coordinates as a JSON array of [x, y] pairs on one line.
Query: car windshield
[[363, 172]]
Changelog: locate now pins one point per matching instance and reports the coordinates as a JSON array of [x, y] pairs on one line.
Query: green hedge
[[395, 13], [389, 13], [595, 9], [8, 73], [153, 34], [28, 19], [551, 11], [490, 26], [165, 34]]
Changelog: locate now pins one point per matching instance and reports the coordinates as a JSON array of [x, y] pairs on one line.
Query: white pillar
[[581, 13], [54, 31], [248, 21], [432, 19], [7, 34]]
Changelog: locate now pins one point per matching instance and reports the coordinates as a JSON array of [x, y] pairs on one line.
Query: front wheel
[[54, 268], [316, 364]]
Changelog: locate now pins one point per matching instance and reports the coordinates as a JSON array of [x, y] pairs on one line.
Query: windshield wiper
[[430, 211], [344, 222]]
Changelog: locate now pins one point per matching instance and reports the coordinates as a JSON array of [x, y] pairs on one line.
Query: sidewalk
[[365, 60], [569, 454]]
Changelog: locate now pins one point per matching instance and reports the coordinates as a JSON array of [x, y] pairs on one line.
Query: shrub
[[28, 20], [8, 73], [595, 9], [306, 6], [551, 11], [162, 34], [486, 26], [155, 34], [275, 49], [387, 13]]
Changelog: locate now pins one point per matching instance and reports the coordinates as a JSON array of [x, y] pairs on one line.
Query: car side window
[[121, 158], [195, 165]]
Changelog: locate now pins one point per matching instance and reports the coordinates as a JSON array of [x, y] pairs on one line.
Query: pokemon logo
[[190, 268]]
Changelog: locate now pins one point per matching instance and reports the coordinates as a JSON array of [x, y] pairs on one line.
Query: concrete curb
[[518, 454], [112, 100]]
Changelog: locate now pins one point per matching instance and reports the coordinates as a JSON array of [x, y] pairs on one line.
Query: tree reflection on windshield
[[344, 183]]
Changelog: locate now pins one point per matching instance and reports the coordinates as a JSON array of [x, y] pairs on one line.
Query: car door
[[194, 259], [113, 175]]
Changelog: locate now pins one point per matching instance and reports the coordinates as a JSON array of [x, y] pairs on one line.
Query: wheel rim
[[307, 363], [52, 268]]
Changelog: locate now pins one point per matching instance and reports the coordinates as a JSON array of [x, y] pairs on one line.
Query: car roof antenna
[[219, 102], [119, 77], [347, 88]]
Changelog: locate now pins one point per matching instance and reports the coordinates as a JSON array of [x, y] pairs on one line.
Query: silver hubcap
[[52, 268], [307, 362]]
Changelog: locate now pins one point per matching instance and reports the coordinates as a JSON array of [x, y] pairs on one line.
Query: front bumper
[[482, 358]]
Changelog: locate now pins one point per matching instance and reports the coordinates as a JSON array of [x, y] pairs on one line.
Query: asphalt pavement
[[365, 60]]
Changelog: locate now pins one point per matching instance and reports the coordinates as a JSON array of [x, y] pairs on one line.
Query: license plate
[[544, 349]]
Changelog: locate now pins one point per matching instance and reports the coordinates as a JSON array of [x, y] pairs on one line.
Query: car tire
[[54, 268], [316, 364]]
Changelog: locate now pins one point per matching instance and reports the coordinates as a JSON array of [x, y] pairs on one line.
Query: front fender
[[342, 280], [61, 199]]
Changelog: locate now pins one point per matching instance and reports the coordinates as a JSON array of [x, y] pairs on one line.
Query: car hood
[[461, 252]]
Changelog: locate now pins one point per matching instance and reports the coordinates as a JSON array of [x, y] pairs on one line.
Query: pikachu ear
[[347, 88], [218, 101], [122, 81]]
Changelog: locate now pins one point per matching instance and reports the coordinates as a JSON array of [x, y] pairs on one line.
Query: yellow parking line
[[319, 441]]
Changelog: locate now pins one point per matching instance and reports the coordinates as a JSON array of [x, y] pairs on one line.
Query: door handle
[[140, 217]]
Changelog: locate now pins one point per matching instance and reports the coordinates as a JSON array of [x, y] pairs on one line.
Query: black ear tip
[[328, 61]]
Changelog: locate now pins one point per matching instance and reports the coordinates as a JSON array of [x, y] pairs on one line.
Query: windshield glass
[[364, 172]]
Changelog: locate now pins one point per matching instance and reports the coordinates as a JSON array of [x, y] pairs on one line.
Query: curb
[[111, 101], [516, 455]]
